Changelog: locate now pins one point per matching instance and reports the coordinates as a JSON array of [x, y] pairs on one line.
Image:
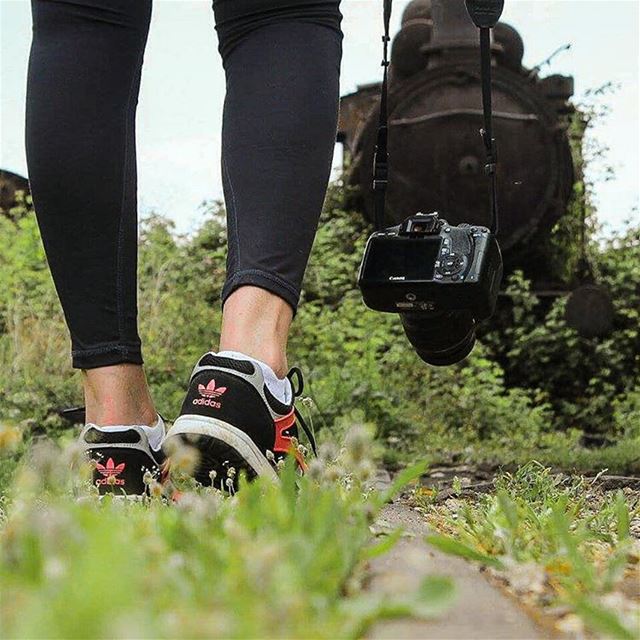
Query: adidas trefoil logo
[[208, 393], [210, 390], [110, 471]]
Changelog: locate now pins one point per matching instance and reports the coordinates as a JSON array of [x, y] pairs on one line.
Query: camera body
[[428, 265], [441, 279]]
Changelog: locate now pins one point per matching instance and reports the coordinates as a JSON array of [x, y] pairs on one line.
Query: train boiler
[[435, 114]]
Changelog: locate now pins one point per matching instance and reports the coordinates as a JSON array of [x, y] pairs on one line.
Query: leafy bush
[[531, 386], [580, 377]]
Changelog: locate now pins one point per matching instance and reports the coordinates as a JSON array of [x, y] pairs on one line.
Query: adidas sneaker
[[234, 421], [123, 455]]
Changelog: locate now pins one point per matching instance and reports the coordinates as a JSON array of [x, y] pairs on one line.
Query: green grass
[[557, 542], [275, 560]]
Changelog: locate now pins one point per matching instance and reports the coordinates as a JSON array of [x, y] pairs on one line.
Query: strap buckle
[[380, 172], [491, 148]]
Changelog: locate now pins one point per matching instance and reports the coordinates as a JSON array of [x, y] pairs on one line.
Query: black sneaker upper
[[121, 459], [234, 392]]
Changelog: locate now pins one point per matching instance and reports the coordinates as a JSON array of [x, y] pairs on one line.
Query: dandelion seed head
[[54, 568], [46, 463], [357, 443], [176, 561], [328, 452], [315, 470], [365, 470], [75, 456], [155, 489], [234, 530], [184, 458], [333, 473]]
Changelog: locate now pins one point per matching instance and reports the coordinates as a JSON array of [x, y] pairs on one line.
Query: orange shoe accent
[[283, 443]]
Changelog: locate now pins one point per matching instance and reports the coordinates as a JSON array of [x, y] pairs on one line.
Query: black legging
[[282, 65]]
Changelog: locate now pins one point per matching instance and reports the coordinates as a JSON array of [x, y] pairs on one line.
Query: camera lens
[[440, 339]]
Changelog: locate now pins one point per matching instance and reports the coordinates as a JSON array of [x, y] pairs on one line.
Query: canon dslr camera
[[440, 278]]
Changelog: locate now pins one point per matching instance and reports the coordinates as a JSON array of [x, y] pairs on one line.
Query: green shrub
[[581, 377], [531, 386]]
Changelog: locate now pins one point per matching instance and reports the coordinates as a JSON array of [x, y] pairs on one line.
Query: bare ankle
[[256, 322], [118, 395]]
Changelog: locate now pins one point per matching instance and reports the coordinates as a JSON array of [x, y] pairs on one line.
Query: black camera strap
[[381, 154], [486, 132], [485, 15]]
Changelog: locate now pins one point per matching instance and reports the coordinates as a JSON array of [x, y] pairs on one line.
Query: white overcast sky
[[179, 116]]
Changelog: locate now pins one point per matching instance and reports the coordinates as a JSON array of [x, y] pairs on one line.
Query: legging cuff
[[264, 280], [106, 355]]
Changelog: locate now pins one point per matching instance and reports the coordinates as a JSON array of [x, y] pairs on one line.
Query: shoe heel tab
[[95, 435], [213, 360]]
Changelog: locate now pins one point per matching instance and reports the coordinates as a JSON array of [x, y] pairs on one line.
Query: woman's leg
[[84, 76], [282, 63]]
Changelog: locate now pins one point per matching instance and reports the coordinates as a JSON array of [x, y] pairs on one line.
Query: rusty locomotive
[[435, 113], [437, 156], [10, 185]]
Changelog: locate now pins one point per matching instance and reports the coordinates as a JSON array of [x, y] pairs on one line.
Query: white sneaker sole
[[227, 434]]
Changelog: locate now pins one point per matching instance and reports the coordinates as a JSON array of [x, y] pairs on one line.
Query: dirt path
[[480, 610]]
